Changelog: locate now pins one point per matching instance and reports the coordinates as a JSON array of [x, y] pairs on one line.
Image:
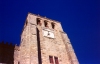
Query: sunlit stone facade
[[43, 41]]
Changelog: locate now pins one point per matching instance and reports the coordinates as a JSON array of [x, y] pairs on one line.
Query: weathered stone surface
[[36, 48]]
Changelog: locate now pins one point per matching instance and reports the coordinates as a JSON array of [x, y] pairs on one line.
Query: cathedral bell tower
[[43, 41]]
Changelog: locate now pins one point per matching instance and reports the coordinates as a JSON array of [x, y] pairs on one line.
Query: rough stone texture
[[36, 48], [16, 55]]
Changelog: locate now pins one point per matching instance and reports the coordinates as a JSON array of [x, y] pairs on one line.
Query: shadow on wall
[[6, 53]]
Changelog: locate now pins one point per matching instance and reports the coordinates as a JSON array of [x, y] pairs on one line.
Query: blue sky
[[80, 19]]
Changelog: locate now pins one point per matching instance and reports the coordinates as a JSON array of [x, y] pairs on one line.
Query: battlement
[[6, 52], [6, 45]]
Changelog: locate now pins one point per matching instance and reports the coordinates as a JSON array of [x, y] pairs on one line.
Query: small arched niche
[[46, 23], [53, 25], [38, 21]]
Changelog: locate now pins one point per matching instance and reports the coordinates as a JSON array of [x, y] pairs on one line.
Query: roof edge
[[43, 17]]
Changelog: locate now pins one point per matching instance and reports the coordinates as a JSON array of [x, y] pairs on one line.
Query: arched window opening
[[56, 60], [38, 21], [45, 23], [51, 59], [53, 25]]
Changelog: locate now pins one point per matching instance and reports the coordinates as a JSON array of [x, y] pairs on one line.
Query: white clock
[[48, 33]]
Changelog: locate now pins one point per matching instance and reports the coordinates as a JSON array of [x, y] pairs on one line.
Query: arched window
[[53, 25], [45, 23], [56, 60], [51, 59], [38, 21]]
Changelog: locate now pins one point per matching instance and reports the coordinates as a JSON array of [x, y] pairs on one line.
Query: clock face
[[48, 33]]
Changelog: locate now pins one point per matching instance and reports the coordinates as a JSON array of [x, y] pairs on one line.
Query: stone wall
[[35, 48], [70, 51], [16, 54]]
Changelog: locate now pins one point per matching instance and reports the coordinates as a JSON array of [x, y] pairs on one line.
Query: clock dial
[[45, 33], [48, 33], [51, 34]]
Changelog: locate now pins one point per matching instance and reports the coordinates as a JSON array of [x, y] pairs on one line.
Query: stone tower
[[43, 41]]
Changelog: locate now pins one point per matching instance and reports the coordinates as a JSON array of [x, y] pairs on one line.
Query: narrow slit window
[[56, 60], [53, 25], [38, 21], [51, 59], [45, 24]]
